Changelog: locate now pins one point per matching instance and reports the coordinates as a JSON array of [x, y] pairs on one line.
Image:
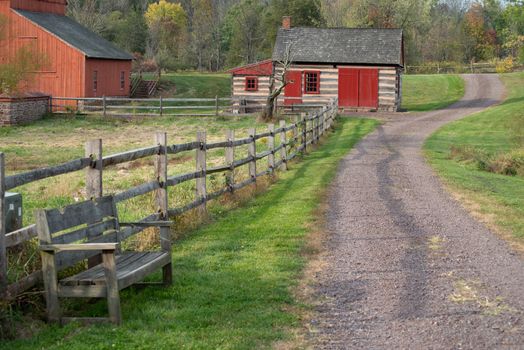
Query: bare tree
[[277, 79]]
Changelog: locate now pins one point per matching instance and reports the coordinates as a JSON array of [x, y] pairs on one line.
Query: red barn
[[75, 61]]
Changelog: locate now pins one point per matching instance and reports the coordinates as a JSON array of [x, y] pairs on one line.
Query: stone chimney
[[286, 22]]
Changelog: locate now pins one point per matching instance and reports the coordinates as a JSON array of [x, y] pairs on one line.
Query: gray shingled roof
[[81, 38], [340, 45]]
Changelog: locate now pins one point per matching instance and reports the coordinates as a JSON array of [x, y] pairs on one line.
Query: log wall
[[389, 89]]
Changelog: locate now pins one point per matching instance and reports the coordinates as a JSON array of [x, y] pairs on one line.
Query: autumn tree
[[167, 23]]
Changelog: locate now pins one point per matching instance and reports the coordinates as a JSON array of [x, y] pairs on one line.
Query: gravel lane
[[406, 266]]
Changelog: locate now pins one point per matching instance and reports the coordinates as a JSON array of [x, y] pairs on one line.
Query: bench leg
[[113, 295], [51, 287], [167, 274]]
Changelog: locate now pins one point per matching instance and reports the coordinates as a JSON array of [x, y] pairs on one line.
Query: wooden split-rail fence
[[304, 131], [152, 107]]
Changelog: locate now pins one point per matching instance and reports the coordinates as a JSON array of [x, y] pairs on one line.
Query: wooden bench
[[91, 231]]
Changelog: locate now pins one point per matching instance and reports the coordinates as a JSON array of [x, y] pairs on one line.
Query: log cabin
[[75, 62], [361, 67]]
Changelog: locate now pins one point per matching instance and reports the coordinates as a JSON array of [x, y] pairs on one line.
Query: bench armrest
[[78, 247]]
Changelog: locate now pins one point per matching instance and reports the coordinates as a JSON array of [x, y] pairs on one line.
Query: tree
[[167, 23], [203, 28], [246, 32], [279, 78]]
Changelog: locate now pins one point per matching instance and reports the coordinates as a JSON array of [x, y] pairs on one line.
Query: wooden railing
[[305, 130], [150, 107]]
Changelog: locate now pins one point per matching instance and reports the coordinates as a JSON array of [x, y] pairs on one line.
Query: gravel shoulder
[[406, 266]]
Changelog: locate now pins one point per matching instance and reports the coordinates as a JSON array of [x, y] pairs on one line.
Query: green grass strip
[[428, 92], [499, 199], [233, 279]]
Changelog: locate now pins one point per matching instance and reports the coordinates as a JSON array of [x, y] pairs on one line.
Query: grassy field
[[427, 92], [188, 85], [481, 158], [233, 278], [58, 139]]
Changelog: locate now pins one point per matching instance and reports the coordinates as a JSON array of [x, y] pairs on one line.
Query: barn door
[[368, 88], [358, 87], [348, 87], [293, 88]]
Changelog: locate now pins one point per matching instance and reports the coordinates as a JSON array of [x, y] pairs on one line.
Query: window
[[95, 80], [251, 84], [122, 80], [311, 82]]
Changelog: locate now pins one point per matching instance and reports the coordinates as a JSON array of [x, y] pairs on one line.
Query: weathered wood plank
[[113, 296], [17, 180], [49, 271], [188, 207], [201, 165], [190, 146], [129, 156], [252, 152], [230, 158], [20, 236], [283, 143], [177, 179], [23, 284], [271, 147], [137, 191], [77, 247]]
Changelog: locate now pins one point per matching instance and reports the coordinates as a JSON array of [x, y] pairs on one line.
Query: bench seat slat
[[97, 272], [130, 267]]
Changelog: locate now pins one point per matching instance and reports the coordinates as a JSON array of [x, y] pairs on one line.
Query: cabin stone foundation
[[22, 110]]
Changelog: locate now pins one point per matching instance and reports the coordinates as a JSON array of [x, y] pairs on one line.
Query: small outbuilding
[[75, 61], [251, 84], [361, 67]]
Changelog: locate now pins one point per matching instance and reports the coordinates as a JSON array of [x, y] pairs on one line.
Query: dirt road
[[407, 266]]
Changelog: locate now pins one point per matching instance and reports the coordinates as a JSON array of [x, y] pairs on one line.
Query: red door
[[348, 87], [358, 87], [368, 88], [293, 88]]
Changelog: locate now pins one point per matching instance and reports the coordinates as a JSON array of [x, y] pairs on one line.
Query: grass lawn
[[59, 139], [204, 85], [427, 92], [473, 154], [233, 278]]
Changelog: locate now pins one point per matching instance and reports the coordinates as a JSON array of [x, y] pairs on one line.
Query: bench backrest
[[92, 221]]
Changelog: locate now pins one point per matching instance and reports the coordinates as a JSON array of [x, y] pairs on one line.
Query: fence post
[[271, 147], [252, 153], [161, 175], [161, 106], [295, 131], [230, 159], [303, 122], [283, 143], [201, 167], [216, 105], [94, 186], [104, 106], [3, 250]]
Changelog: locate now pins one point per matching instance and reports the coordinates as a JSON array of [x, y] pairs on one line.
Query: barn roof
[[74, 34], [340, 45], [258, 68]]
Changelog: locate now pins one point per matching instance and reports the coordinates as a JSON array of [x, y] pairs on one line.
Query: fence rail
[[306, 129], [450, 68], [149, 107]]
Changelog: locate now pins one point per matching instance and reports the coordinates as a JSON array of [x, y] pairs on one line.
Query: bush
[[505, 66], [511, 163]]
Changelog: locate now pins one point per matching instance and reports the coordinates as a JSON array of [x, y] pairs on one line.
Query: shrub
[[505, 66]]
